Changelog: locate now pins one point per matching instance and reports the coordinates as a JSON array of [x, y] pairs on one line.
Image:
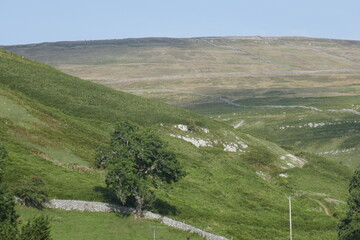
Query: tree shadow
[[109, 196], [158, 206], [117, 208], [164, 208]]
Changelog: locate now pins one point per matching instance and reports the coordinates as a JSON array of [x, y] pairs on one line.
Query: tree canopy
[[137, 161], [349, 227], [36, 229], [3, 155]]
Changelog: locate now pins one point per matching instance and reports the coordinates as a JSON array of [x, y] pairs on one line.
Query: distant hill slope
[[232, 79], [200, 65], [52, 124], [81, 98]]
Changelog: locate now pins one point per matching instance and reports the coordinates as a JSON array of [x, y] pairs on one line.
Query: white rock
[[295, 160], [263, 175], [239, 124], [205, 130], [284, 175], [194, 141], [232, 147], [290, 165], [243, 145], [333, 152], [182, 127]]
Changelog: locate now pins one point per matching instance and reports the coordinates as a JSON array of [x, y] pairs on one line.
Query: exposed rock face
[[182, 127], [197, 142], [292, 161]]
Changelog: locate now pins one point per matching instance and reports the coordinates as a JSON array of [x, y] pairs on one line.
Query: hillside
[[52, 124], [278, 88]]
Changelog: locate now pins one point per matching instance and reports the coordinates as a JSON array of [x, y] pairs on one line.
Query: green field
[[53, 123], [72, 225]]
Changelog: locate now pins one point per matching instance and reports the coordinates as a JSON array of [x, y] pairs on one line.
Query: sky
[[35, 21]]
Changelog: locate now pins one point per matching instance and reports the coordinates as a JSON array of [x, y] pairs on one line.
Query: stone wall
[[107, 207]]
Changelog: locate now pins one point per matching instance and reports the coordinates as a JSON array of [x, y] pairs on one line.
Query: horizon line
[[163, 37]]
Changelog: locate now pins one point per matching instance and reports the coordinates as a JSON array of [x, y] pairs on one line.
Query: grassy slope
[[102, 226], [80, 98], [340, 130], [113, 60], [54, 123]]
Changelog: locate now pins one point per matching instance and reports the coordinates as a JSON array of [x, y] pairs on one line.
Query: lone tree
[[137, 162], [349, 228]]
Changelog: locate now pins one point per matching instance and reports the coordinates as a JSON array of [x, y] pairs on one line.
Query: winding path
[[107, 207], [326, 209]]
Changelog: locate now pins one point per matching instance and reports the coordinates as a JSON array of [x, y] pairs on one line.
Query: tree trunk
[[139, 206]]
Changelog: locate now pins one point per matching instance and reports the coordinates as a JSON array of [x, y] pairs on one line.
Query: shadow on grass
[[164, 208], [158, 206], [108, 195]]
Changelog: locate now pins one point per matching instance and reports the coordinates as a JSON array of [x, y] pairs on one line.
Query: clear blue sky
[[34, 21]]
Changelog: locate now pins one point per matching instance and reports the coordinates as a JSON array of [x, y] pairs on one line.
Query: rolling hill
[[237, 184], [277, 87]]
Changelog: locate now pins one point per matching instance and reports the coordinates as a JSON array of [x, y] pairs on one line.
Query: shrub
[[3, 155], [191, 124], [32, 192], [8, 216], [36, 229], [8, 231], [349, 227], [7, 205]]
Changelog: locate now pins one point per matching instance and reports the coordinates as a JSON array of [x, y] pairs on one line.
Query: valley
[[254, 120]]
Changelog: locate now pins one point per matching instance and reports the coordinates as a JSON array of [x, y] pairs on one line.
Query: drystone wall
[[107, 207]]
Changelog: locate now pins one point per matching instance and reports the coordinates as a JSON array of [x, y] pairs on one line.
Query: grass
[[290, 126], [112, 60], [222, 192], [69, 225], [80, 98], [215, 178]]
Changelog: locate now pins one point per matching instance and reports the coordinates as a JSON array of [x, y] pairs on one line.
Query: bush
[[191, 124], [32, 192], [36, 229], [349, 227], [8, 216], [3, 155], [8, 231], [7, 207]]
